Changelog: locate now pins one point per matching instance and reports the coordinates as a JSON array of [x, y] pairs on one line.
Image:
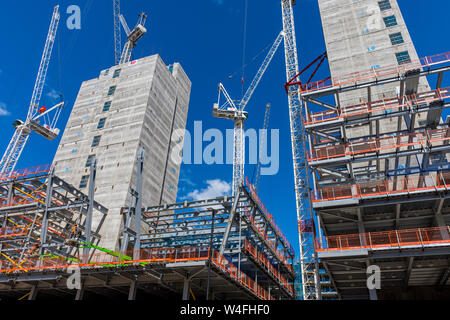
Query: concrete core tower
[[143, 103]]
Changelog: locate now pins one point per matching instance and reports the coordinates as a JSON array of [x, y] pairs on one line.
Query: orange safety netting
[[386, 239], [435, 181], [376, 73], [384, 106], [416, 140]]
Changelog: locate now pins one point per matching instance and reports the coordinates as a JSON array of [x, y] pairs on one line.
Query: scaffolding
[[380, 196]]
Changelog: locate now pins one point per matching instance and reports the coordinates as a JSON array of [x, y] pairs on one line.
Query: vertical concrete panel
[[140, 114]]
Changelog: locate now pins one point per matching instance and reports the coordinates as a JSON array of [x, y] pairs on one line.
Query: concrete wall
[[149, 102], [357, 39]]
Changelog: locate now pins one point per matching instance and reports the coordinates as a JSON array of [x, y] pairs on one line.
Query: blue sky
[[206, 37]]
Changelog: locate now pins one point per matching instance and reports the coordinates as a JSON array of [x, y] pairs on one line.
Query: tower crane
[[36, 115], [132, 35], [235, 111], [308, 255], [262, 139]]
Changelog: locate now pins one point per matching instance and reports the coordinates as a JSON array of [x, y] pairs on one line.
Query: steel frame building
[[223, 248], [381, 199], [38, 214]]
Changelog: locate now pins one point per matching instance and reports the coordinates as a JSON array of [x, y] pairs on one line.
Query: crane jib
[[21, 135]]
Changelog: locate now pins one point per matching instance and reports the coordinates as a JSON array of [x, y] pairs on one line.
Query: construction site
[[370, 155]]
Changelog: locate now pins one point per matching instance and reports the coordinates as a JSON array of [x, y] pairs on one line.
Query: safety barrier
[[226, 266], [376, 73], [433, 181], [255, 196], [25, 172], [11, 232], [146, 256], [263, 234], [416, 140], [381, 106], [386, 239], [261, 258]]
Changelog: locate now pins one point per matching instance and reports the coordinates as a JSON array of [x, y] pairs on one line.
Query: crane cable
[[265, 49], [74, 39], [244, 48], [59, 68]]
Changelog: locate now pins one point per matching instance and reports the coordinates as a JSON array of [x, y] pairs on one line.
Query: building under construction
[[106, 208], [370, 159], [47, 231], [378, 154]]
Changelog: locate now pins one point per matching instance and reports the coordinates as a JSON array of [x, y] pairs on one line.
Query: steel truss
[[251, 240], [231, 243], [308, 256], [40, 215]]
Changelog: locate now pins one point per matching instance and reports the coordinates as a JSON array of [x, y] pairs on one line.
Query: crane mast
[[117, 34], [308, 255], [23, 129]]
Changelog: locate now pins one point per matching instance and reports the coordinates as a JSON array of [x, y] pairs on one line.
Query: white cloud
[[3, 111], [53, 94], [216, 188]]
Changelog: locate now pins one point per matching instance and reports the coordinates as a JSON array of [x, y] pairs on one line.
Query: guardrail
[[381, 106], [262, 233], [417, 140], [260, 257], [11, 232], [433, 181], [269, 217], [25, 172], [395, 239], [146, 256]]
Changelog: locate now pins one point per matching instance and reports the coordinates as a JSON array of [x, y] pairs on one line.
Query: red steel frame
[[377, 73]]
